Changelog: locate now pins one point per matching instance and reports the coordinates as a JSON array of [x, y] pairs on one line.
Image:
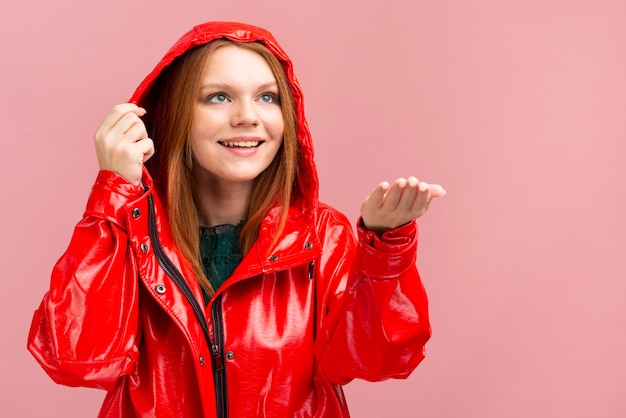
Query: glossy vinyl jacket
[[291, 325]]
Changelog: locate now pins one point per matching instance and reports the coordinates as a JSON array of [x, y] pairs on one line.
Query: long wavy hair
[[170, 104]]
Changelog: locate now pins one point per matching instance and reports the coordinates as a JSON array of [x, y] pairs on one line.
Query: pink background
[[517, 107]]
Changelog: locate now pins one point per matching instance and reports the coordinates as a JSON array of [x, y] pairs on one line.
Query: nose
[[245, 113]]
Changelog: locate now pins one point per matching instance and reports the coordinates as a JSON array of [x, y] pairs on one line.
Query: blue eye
[[217, 98], [268, 98]]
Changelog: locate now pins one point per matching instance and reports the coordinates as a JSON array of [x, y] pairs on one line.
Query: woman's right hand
[[122, 143]]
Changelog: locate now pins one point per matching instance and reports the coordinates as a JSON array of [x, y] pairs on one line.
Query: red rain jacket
[[279, 337]]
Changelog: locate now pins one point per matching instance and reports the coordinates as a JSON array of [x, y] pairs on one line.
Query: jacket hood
[[307, 181]]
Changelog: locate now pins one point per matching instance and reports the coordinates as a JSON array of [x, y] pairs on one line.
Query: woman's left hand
[[392, 205]]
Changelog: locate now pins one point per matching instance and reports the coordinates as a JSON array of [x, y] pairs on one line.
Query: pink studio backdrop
[[517, 107]]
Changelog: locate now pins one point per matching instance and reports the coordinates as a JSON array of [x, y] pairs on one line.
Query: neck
[[223, 203]]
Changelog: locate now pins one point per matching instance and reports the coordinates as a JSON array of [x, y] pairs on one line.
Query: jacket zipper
[[219, 367], [312, 277], [172, 271]]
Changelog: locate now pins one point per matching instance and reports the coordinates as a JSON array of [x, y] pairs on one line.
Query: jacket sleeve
[[374, 311], [85, 332]]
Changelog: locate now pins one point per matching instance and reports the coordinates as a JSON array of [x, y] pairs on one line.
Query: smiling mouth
[[240, 144]]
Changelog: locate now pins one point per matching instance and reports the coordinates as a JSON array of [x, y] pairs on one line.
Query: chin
[[242, 178]]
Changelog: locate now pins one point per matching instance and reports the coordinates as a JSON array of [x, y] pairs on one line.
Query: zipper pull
[[218, 358]]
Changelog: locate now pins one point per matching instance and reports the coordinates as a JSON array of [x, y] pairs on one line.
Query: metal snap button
[[136, 213], [230, 355], [308, 245], [274, 258], [160, 289], [144, 248]]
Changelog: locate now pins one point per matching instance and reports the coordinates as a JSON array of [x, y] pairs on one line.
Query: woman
[[211, 281]]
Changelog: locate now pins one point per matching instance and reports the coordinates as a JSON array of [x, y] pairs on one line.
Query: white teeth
[[242, 144]]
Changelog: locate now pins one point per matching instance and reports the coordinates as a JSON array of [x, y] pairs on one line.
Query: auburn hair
[[170, 108]]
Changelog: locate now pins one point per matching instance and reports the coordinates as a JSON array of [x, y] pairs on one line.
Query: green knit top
[[219, 252]]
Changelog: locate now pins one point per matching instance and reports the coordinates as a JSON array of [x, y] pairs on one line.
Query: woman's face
[[237, 124]]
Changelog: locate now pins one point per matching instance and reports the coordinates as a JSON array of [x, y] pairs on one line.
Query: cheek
[[195, 139], [205, 122], [196, 152], [201, 134], [277, 126]]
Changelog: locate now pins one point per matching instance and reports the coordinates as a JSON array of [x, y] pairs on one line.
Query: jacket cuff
[[390, 254], [109, 196]]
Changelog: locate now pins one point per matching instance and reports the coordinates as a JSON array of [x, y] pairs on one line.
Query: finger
[[392, 197], [409, 194], [110, 128], [127, 123], [135, 132], [146, 147], [376, 198], [436, 190], [422, 200], [427, 192], [115, 140], [120, 110]]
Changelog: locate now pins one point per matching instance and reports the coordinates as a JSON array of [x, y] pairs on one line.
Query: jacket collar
[[297, 245]]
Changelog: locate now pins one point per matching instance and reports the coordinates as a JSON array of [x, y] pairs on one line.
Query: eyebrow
[[226, 86]]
